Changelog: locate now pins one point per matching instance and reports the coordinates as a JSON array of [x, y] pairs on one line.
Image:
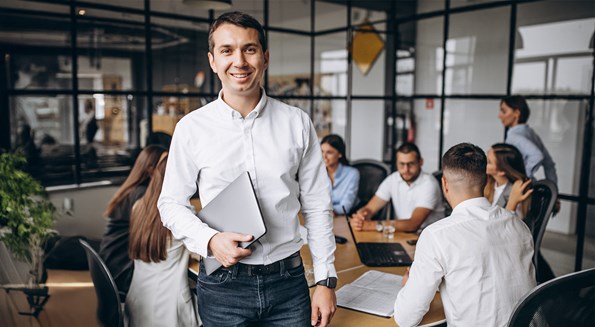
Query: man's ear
[[266, 59], [444, 185], [212, 62]]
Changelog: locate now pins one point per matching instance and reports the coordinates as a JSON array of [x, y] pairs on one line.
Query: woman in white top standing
[[507, 180], [159, 294]]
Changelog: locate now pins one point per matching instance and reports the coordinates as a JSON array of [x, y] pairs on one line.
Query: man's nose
[[240, 59]]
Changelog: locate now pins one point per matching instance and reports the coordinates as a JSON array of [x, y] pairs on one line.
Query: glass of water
[[388, 229]]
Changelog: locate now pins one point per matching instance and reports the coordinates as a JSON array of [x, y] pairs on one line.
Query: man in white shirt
[[415, 194], [244, 130], [480, 257]]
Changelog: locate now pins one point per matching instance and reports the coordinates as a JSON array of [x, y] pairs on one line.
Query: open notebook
[[373, 292]]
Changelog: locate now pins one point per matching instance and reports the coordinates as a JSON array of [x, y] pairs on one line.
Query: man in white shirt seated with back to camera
[[480, 257], [415, 194]]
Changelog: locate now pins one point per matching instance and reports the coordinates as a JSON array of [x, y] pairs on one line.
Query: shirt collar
[[415, 182], [518, 127], [474, 202], [228, 112]]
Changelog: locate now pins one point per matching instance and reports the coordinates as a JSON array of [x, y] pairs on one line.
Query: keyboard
[[383, 254]]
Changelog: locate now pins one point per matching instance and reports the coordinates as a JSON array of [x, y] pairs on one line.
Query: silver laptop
[[235, 209]]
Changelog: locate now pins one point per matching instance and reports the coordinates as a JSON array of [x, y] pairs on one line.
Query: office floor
[[559, 250]]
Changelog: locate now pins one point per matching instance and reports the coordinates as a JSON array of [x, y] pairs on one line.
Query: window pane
[[40, 72], [292, 14], [108, 130], [178, 7], [42, 125], [111, 51], [477, 52], [369, 61], [552, 47], [253, 8], [330, 16], [428, 54], [180, 61], [367, 129], [289, 66], [426, 130], [423, 6], [331, 63], [485, 130]]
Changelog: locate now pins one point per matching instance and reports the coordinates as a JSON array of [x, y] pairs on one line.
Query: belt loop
[[282, 267], [234, 271]]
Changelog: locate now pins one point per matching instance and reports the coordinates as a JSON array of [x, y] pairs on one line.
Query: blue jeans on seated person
[[233, 297]]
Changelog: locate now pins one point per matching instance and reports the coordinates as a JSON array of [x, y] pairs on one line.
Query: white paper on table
[[373, 292]]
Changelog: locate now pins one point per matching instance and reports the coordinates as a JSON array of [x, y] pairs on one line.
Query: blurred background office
[[429, 71]]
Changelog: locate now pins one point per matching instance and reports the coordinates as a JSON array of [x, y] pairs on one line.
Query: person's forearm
[[406, 225]]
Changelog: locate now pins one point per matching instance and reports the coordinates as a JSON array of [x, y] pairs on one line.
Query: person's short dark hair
[[337, 143], [408, 148], [466, 161], [159, 138], [239, 19], [517, 102]]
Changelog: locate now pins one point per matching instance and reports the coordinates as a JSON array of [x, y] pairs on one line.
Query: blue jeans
[[230, 297]]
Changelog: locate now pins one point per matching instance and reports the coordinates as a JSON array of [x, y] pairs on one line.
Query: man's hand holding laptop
[[225, 247]]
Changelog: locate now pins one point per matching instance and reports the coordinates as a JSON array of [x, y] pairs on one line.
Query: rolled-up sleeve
[[413, 301], [178, 187], [315, 198]]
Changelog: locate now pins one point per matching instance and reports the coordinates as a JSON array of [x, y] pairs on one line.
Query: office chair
[[564, 301], [110, 311], [544, 197], [371, 174]]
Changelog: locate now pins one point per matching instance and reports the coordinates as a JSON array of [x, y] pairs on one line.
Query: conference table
[[349, 268]]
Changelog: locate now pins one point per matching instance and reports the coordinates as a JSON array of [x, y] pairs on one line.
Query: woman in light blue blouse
[[344, 178]]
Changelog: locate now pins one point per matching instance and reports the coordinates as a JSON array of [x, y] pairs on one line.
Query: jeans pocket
[[295, 272], [216, 278]]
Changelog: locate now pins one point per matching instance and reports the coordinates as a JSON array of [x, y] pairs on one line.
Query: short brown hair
[[239, 19], [468, 162], [408, 148]]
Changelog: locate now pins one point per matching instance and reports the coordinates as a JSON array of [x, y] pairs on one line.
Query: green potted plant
[[26, 221]]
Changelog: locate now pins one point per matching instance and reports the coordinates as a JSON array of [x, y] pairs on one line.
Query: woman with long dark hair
[[159, 293], [344, 178], [505, 167], [114, 244]]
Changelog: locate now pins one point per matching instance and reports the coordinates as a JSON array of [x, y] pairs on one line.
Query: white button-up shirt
[[481, 260], [278, 145], [424, 192]]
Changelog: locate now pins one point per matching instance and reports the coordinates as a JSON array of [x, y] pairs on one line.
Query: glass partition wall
[[85, 85]]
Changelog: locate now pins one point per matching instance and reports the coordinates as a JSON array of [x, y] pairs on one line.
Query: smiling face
[[238, 60], [492, 167], [330, 155], [508, 116]]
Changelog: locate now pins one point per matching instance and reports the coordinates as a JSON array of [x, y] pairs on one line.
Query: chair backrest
[[371, 174], [109, 308], [544, 197], [564, 301]]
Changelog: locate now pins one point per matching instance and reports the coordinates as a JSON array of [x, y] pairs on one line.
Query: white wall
[[87, 212]]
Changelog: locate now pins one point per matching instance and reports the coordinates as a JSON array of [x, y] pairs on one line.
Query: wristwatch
[[330, 282]]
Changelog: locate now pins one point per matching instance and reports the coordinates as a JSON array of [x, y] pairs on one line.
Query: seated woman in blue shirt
[[344, 178]]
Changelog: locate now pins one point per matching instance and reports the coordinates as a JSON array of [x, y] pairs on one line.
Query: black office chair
[[544, 197], [371, 174], [110, 311], [568, 300]]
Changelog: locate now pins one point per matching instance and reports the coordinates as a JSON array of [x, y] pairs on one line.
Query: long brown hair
[[510, 161], [148, 237], [140, 173]]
